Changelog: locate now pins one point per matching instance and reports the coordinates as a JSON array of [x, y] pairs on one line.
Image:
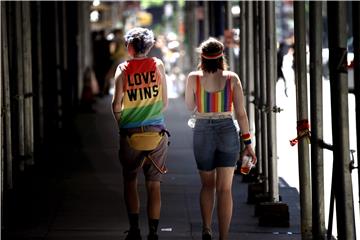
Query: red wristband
[[246, 137]]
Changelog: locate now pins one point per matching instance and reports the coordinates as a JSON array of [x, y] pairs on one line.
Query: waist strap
[[151, 128]]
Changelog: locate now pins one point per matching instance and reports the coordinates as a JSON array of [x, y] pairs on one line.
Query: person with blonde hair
[[214, 94]]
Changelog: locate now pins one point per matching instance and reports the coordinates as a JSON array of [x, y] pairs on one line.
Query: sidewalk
[[87, 202]]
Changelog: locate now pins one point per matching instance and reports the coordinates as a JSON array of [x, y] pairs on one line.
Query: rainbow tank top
[[142, 101], [220, 101]]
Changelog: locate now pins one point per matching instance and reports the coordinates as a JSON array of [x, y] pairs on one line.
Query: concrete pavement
[[85, 200]]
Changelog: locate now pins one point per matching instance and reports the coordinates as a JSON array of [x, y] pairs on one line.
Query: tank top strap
[[198, 83], [228, 95], [198, 91], [199, 88], [228, 82]]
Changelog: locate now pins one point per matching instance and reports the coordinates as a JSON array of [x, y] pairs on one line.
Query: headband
[[218, 55]]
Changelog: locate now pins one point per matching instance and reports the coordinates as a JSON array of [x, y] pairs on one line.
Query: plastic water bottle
[[246, 165], [192, 121]]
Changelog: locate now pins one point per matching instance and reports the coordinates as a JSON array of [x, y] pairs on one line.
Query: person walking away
[[212, 92], [102, 61], [138, 104]]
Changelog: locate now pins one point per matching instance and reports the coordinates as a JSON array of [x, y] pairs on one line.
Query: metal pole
[[196, 31], [230, 27], [257, 94], [67, 86], [271, 99], [64, 32], [302, 115], [1, 122], [243, 44], [263, 96], [249, 87], [217, 18], [28, 95], [58, 67], [20, 84], [210, 18], [2, 118], [317, 161], [39, 94], [6, 91], [191, 36], [356, 44], [340, 119], [331, 207], [246, 54], [206, 20]]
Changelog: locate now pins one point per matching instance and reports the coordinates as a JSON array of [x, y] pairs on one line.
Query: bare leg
[[224, 199], [154, 199], [207, 196], [131, 196]]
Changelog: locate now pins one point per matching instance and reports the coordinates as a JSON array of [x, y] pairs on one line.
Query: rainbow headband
[[219, 55]]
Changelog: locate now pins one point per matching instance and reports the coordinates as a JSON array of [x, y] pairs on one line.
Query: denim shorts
[[216, 143]]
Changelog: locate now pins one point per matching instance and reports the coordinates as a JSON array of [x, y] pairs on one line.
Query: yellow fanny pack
[[144, 141]]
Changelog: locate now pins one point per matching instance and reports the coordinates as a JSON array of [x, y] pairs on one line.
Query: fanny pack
[[144, 141]]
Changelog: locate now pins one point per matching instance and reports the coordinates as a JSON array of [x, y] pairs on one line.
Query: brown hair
[[211, 56]]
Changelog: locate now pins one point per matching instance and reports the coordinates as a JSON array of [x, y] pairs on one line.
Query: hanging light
[[94, 16], [235, 10], [96, 3]]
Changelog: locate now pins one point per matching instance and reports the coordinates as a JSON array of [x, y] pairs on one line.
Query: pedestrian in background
[[212, 92], [102, 61], [138, 104]]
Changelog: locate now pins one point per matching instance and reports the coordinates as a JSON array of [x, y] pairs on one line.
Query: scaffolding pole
[[302, 116], [257, 93], [6, 104], [205, 22], [316, 89], [249, 87], [28, 94], [356, 44], [230, 26], [243, 45], [20, 86], [58, 72], [1, 123], [191, 24], [263, 96], [38, 97], [340, 119], [271, 100]]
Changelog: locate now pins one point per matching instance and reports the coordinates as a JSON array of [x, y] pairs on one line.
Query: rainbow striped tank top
[[142, 101], [220, 101]]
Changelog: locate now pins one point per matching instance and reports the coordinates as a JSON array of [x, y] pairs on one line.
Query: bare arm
[[241, 115], [189, 93], [240, 112], [118, 95], [161, 69]]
